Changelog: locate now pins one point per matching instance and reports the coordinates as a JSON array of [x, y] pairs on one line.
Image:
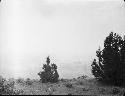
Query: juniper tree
[[122, 67], [110, 66], [49, 73]]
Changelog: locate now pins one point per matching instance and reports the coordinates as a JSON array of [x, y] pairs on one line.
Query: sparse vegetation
[[7, 87], [85, 89], [28, 81], [80, 82], [115, 91], [69, 85], [102, 90], [20, 81], [69, 94], [82, 77], [63, 80]]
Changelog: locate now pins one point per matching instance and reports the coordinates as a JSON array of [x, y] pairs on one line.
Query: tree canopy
[[110, 63]]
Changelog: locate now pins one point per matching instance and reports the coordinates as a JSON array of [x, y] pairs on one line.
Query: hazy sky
[[70, 31]]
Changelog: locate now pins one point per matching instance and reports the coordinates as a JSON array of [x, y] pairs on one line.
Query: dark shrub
[[102, 90], [68, 85], [84, 76], [18, 92], [79, 82], [69, 94], [62, 80], [28, 81], [49, 73], [7, 87], [20, 81], [115, 91]]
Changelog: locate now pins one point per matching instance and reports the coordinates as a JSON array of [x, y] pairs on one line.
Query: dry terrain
[[79, 86]]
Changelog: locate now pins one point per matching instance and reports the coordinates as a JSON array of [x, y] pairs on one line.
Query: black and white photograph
[[62, 47]]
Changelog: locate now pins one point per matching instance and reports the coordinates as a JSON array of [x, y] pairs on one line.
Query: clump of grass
[[82, 77], [101, 90], [115, 91], [79, 82], [74, 79], [18, 92], [28, 81], [68, 85], [2, 80], [7, 87], [62, 80], [20, 81], [69, 94], [50, 93], [35, 80], [84, 89]]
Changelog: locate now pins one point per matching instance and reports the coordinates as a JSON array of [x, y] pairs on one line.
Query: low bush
[[115, 91], [68, 85], [18, 92], [69, 94], [7, 87], [80, 82], [84, 76], [62, 80], [85, 89], [101, 90], [20, 81], [28, 81]]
